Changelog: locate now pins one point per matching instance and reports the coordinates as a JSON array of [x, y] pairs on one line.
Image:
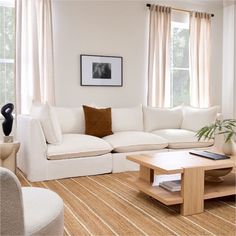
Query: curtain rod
[[177, 9]]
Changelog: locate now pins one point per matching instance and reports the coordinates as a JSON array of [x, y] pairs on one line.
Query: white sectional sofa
[[135, 130]]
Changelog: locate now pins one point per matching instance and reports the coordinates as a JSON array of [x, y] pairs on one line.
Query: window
[[7, 49], [180, 80]]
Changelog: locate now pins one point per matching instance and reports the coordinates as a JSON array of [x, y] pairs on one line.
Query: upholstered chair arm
[[11, 204]]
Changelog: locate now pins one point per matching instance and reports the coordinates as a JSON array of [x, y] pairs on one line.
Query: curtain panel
[[34, 72], [199, 43], [159, 56]]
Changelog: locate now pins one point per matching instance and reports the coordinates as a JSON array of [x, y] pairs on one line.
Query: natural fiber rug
[[110, 205]]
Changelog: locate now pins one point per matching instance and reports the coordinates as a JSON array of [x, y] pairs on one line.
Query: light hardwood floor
[[110, 205]]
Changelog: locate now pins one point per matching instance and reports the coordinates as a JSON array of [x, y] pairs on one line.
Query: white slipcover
[[40, 161], [121, 164], [32, 156]]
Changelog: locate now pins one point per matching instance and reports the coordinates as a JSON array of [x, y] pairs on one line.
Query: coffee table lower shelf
[[211, 190]]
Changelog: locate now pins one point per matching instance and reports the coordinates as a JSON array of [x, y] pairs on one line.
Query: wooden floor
[[110, 205]]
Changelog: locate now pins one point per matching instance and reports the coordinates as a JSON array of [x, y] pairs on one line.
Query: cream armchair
[[28, 210]]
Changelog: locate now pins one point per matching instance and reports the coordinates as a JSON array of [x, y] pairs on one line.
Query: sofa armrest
[[32, 154]]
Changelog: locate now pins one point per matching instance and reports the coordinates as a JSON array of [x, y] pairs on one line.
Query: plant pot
[[229, 148]]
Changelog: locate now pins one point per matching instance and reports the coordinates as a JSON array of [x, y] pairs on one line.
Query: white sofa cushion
[[71, 120], [49, 122], [180, 138], [162, 118], [127, 119], [78, 145], [196, 118], [131, 141]]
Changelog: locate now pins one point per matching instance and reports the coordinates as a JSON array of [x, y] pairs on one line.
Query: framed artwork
[[101, 70]]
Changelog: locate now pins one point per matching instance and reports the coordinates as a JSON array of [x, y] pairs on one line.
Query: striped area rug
[[110, 205]]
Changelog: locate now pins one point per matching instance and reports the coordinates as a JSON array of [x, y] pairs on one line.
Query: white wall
[[116, 28], [229, 58], [100, 28]]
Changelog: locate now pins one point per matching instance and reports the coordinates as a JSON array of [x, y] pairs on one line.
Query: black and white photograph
[[101, 70], [96, 70]]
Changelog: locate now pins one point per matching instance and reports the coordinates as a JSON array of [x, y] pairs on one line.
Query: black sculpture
[[7, 123]]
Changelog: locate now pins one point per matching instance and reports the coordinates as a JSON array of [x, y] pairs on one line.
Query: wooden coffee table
[[194, 189]]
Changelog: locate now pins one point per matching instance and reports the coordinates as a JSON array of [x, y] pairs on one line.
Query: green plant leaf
[[229, 136], [226, 127]]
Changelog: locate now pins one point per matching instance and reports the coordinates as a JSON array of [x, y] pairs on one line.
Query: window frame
[[6, 61]]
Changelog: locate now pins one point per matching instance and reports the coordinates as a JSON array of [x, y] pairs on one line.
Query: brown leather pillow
[[97, 121]]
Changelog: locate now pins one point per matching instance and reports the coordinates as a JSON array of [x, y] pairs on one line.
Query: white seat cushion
[[131, 141], [78, 145], [180, 138], [43, 212]]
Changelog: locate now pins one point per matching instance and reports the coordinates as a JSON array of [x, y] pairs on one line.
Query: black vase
[[8, 122]]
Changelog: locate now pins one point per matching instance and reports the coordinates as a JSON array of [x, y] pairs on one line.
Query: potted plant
[[226, 127]]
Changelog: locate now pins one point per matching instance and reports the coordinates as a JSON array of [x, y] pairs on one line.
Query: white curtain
[[159, 56], [34, 54], [199, 43]]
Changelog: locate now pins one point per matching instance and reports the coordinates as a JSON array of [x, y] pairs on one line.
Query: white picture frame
[[98, 70]]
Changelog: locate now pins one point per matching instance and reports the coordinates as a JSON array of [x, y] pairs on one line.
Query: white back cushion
[[127, 119], [196, 118], [71, 120], [162, 118], [49, 122]]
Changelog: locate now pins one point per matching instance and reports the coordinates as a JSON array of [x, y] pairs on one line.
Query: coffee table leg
[[146, 174], [192, 191]]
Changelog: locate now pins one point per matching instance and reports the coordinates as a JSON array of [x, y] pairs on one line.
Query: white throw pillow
[[196, 118], [71, 120], [162, 118], [127, 119], [49, 122]]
